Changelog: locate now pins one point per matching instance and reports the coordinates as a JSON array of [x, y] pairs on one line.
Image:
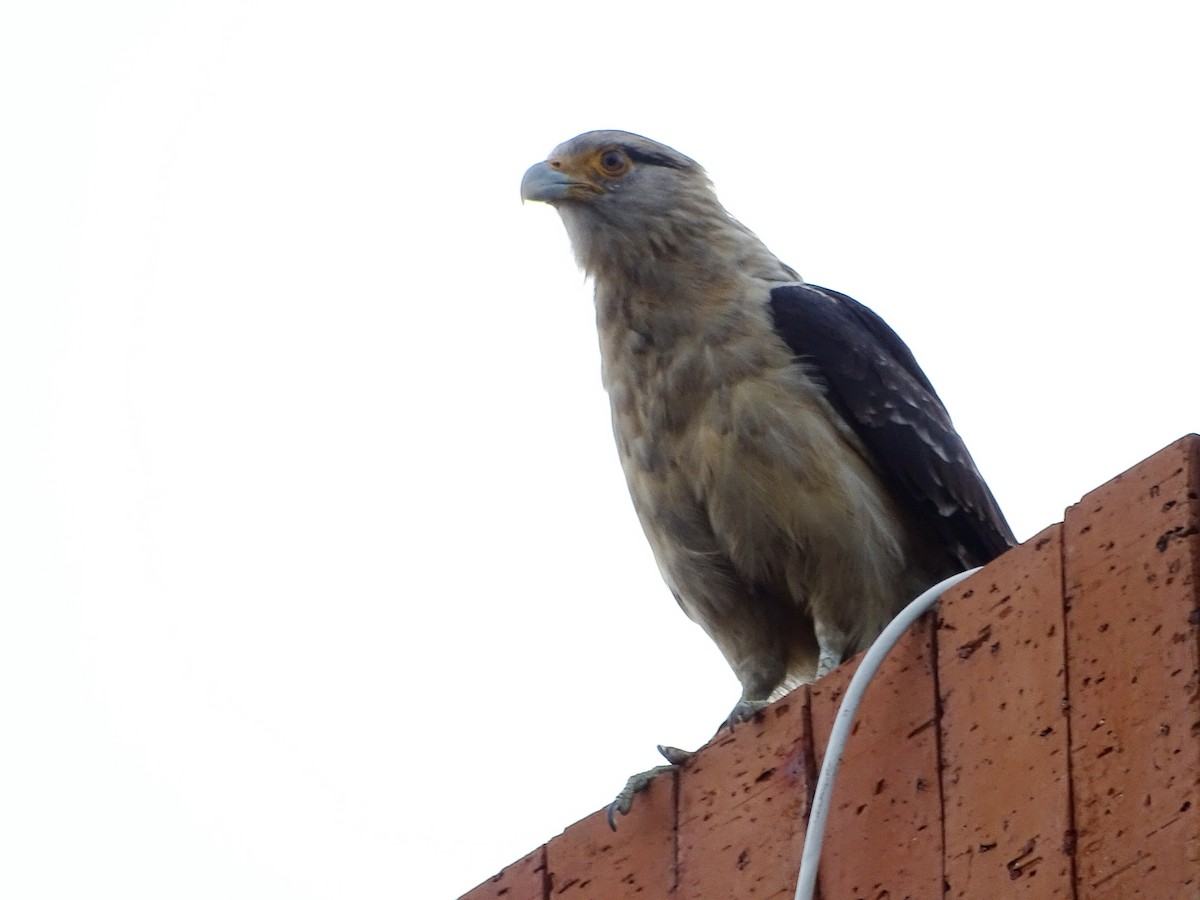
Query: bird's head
[[630, 204]]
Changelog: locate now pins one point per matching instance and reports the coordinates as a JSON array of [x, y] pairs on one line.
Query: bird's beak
[[541, 182]]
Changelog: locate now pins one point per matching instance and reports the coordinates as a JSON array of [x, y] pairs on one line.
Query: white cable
[[815, 836]]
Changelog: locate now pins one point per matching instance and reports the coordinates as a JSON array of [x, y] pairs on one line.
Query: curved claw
[[610, 812], [636, 783], [674, 755], [745, 711]]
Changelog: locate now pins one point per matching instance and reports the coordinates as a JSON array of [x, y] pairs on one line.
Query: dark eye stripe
[[653, 159]]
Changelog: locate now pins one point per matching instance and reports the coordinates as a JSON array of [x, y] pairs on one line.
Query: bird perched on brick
[[797, 476]]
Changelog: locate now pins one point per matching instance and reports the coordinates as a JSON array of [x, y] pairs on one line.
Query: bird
[[795, 473]]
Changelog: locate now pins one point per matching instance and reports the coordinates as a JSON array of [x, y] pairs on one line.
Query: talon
[[745, 711], [674, 755], [610, 813], [636, 783]]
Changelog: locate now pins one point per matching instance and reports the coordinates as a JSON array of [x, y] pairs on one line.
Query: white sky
[[318, 577]]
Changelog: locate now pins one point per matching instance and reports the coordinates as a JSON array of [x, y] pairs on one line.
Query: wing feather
[[873, 381]]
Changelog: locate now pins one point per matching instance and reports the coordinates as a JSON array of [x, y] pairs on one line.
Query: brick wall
[[1038, 737]]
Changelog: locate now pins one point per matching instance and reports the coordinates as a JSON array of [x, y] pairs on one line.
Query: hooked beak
[[546, 184]]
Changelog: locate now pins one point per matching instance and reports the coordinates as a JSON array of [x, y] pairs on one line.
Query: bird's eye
[[613, 162]]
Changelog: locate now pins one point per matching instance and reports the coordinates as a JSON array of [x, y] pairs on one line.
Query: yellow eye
[[613, 162]]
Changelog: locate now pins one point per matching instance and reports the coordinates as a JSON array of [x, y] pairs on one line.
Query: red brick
[[1131, 576], [1126, 565], [1002, 677], [743, 802], [589, 861], [523, 880], [884, 834]]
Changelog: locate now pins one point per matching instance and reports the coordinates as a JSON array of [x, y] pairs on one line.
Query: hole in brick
[[1103, 753], [1045, 731], [1187, 804], [1177, 532], [764, 776], [969, 648]]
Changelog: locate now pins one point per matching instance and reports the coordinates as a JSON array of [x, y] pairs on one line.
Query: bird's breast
[[726, 442]]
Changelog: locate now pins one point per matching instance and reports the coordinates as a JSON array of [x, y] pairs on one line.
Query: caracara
[[795, 473]]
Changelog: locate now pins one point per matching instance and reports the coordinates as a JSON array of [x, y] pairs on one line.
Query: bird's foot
[[745, 711], [639, 782]]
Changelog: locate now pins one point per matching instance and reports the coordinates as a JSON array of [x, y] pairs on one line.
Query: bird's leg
[[639, 782], [831, 646]]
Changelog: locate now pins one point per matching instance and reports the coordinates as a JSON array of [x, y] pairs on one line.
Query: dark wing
[[873, 381]]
